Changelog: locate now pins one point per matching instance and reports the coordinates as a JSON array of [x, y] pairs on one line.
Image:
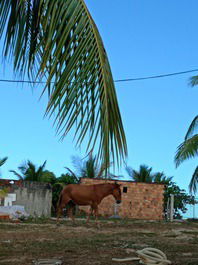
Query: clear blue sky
[[142, 38]]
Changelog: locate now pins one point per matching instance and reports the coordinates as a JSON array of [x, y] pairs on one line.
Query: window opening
[[125, 189]]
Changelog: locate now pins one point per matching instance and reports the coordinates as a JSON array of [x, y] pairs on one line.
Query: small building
[[139, 200], [34, 197]]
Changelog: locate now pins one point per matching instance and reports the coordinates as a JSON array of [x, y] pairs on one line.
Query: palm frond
[[194, 81], [19, 176], [129, 171], [194, 182], [193, 126], [73, 174], [59, 40], [186, 150], [3, 160]]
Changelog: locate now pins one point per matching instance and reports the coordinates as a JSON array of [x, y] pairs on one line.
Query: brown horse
[[77, 194]]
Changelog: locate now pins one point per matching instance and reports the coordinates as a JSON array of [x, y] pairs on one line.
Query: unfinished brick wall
[[139, 200]]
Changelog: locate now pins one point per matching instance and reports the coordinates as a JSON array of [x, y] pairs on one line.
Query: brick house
[[139, 200]]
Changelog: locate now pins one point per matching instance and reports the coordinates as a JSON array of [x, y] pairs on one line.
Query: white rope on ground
[[148, 256]]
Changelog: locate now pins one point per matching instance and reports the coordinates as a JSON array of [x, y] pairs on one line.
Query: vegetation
[[2, 162], [189, 149], [89, 168], [143, 175], [28, 171], [59, 43]]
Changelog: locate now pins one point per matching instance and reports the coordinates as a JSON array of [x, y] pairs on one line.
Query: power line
[[155, 76], [116, 81]]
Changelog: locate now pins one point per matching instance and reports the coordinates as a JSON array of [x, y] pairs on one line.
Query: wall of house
[[34, 196], [139, 200]]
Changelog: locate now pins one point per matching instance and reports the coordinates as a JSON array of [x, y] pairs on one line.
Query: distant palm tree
[[143, 175], [189, 149], [29, 172], [59, 41], [160, 177], [88, 168]]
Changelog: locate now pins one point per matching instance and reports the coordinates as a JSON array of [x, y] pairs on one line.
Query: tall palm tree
[[143, 175], [59, 43], [189, 149], [28, 171]]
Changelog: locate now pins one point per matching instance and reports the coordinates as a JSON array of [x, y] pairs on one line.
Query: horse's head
[[117, 193]]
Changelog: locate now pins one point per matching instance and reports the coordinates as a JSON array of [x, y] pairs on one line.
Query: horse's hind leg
[[89, 214], [96, 216]]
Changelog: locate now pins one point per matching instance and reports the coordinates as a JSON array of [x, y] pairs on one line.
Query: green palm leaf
[[186, 150], [59, 40], [193, 126], [3, 160], [194, 182], [194, 81], [19, 176]]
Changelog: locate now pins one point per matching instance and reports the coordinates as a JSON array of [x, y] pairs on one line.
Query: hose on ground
[[148, 256]]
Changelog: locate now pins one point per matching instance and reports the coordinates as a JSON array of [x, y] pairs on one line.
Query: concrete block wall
[[139, 200], [36, 197]]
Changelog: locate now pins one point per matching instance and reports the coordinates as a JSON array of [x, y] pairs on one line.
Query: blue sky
[[142, 38]]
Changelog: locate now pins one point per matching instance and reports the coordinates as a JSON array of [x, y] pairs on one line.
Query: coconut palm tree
[[29, 172], [143, 175], [189, 149], [57, 42], [160, 177], [88, 168]]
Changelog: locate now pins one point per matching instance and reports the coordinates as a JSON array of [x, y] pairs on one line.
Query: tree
[[143, 175], [89, 168], [59, 43], [189, 149], [29, 172], [181, 199], [160, 177], [48, 176]]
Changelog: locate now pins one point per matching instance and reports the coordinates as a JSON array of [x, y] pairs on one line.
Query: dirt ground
[[22, 243]]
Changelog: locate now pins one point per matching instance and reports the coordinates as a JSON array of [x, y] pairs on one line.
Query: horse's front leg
[[62, 203]]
